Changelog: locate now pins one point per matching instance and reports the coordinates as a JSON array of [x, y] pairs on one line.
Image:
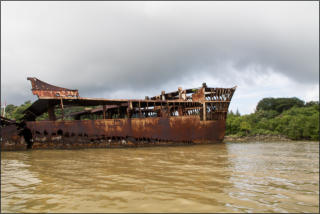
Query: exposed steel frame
[[194, 115]]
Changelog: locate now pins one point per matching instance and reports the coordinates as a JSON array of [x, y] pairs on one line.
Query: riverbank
[[263, 138]]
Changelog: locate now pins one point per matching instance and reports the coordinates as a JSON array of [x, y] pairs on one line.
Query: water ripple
[[231, 177]]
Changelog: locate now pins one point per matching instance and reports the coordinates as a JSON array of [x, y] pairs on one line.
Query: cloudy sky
[[137, 49]]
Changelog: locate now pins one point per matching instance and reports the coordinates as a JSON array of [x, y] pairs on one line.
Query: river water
[[228, 177]]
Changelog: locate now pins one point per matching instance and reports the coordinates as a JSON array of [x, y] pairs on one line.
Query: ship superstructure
[[185, 116]]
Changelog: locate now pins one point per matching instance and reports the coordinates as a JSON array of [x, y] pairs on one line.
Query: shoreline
[[263, 138]]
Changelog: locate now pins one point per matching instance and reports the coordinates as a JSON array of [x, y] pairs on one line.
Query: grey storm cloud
[[141, 46]]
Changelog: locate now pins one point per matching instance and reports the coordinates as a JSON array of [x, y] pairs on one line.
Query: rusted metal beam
[[104, 111], [62, 109], [51, 113], [204, 112], [6, 121], [217, 100], [43, 89]]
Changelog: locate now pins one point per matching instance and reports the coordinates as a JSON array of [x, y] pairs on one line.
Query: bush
[[285, 116]]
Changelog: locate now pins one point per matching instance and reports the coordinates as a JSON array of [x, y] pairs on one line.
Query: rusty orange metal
[[43, 89], [189, 116]]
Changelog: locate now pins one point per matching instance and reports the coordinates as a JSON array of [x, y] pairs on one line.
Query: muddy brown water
[[228, 177]]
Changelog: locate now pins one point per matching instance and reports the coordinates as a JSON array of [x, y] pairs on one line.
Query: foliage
[[58, 113], [16, 112], [278, 104], [274, 117]]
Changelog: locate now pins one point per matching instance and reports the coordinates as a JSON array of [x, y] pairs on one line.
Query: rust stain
[[43, 89], [187, 116]]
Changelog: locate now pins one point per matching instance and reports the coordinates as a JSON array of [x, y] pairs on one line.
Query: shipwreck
[[189, 116]]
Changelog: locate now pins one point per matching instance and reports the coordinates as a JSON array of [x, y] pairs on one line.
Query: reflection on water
[[231, 177]]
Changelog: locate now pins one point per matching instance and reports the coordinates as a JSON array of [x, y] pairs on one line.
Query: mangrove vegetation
[[290, 117]]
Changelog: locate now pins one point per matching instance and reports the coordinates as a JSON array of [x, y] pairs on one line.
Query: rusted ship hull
[[11, 139], [191, 116], [110, 133]]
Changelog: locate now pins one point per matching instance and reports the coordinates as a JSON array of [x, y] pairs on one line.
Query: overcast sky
[[137, 49]]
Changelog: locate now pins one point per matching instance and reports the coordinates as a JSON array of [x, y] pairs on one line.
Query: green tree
[[245, 127], [17, 114], [279, 104], [299, 122], [9, 110], [237, 113]]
